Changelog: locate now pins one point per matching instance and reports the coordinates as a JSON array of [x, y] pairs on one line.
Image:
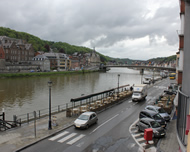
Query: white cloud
[[122, 28]]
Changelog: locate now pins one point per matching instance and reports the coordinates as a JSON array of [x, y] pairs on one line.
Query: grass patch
[[12, 75]]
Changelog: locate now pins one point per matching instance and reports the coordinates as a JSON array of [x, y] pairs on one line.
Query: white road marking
[[129, 101], [80, 144], [75, 139], [137, 135], [59, 135], [67, 137], [132, 145], [104, 123], [140, 139]]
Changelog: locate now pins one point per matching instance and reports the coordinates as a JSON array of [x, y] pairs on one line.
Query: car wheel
[[96, 121], [87, 126]]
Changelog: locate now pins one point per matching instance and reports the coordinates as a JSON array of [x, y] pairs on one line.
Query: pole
[[3, 112], [49, 126], [153, 75], [35, 124], [118, 85]]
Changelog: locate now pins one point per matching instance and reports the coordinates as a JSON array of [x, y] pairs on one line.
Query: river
[[28, 94]]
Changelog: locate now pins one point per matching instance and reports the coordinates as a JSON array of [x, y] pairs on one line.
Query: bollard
[[54, 121]]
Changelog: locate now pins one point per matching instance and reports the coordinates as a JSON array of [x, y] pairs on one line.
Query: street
[[110, 134]]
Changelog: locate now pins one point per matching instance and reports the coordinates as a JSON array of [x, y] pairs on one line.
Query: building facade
[[180, 53], [16, 51], [58, 61], [43, 62], [183, 114]]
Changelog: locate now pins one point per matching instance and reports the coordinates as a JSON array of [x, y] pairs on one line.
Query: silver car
[[145, 123], [159, 110], [85, 120]]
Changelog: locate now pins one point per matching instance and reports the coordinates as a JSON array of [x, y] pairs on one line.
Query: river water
[[28, 94]]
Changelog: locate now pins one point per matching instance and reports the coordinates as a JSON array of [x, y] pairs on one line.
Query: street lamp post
[[118, 85], [49, 84]]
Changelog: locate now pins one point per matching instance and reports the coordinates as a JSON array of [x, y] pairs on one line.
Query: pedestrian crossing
[[67, 137]]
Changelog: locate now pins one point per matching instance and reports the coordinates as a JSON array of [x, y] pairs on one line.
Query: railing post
[[28, 117], [35, 124], [14, 119], [3, 114], [39, 114]]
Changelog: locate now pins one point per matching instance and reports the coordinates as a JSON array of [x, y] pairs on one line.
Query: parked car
[[85, 120], [153, 115], [145, 123], [159, 110]]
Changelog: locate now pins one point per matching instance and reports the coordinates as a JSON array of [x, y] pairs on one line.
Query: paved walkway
[[18, 138], [169, 143], [15, 139]]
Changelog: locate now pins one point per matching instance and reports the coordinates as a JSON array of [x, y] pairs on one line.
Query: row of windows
[[19, 52], [38, 59], [18, 58]]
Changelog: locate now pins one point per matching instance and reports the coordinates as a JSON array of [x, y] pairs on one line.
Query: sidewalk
[[17, 138], [169, 143]]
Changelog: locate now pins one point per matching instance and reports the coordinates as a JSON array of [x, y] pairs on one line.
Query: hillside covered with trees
[[63, 47], [42, 45], [163, 59]]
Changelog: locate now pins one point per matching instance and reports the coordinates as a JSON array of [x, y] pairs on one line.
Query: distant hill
[[43, 45], [163, 59]]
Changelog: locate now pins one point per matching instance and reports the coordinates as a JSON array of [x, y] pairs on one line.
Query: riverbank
[[11, 75]]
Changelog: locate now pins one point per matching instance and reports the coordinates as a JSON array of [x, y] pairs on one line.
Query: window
[[157, 117], [155, 124]]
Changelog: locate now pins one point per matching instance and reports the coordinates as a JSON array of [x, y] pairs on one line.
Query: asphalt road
[[110, 134]]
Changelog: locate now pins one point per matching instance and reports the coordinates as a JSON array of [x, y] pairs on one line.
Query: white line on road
[[67, 137], [59, 135], [130, 101], [104, 123], [75, 139]]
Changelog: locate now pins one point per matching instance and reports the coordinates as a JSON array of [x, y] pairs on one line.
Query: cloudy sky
[[140, 29]]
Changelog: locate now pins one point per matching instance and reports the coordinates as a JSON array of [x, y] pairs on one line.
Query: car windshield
[[155, 124], [157, 117], [161, 110], [83, 117]]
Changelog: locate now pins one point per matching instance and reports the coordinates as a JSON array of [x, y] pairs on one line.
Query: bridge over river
[[105, 67]]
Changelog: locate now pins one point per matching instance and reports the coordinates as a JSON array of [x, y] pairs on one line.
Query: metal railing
[[27, 117], [182, 112]]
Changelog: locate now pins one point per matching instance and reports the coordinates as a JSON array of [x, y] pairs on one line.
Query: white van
[[139, 92], [147, 80]]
